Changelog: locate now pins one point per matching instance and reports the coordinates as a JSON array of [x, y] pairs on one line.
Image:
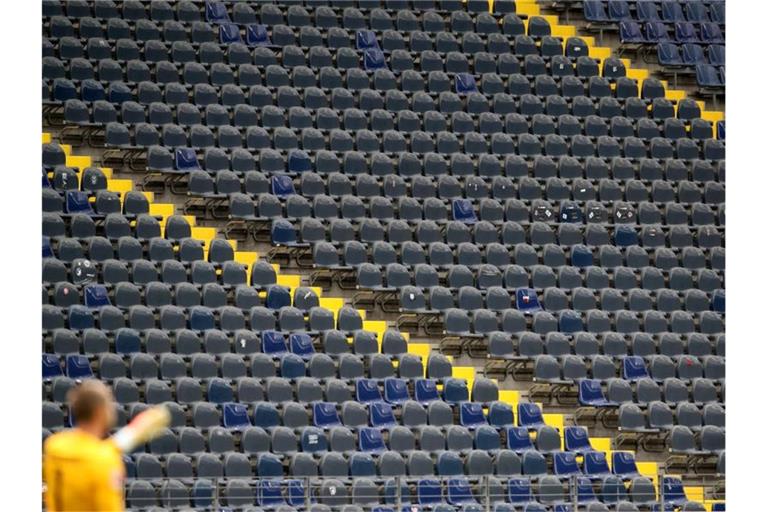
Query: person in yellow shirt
[[82, 470]]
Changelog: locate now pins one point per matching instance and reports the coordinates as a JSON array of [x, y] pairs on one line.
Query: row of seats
[[556, 130], [152, 41], [689, 54], [653, 32], [515, 277], [454, 495], [311, 230], [667, 11], [659, 416], [555, 97], [226, 31], [702, 395], [659, 368], [484, 321], [200, 318], [684, 202], [189, 360], [216, 12], [442, 142], [614, 345], [187, 342], [410, 254], [439, 298], [184, 160], [306, 389]]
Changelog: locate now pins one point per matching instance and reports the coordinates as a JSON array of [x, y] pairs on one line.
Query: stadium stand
[[391, 255]]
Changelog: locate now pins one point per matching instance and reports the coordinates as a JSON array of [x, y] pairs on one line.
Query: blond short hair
[[87, 398]]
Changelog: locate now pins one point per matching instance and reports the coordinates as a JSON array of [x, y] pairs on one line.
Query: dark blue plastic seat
[[526, 300], [301, 345], [216, 12], [633, 368], [630, 32], [381, 414], [595, 464], [425, 390], [428, 491], [465, 83], [656, 32], [51, 366], [96, 296], [185, 159], [471, 415], [594, 10], [77, 202], [577, 439], [519, 490], [367, 390], [229, 33], [257, 35], [235, 415], [282, 185], [565, 464], [669, 54], [366, 39], [396, 390], [519, 439], [269, 493], [711, 33], [463, 211], [78, 367], [623, 464], [324, 414], [529, 415], [273, 343], [459, 492], [708, 76], [371, 440], [591, 393], [685, 32], [373, 59]]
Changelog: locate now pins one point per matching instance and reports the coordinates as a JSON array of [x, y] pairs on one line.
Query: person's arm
[[142, 428]]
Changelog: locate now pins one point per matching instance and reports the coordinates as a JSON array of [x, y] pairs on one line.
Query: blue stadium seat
[[216, 12], [529, 415], [596, 464], [373, 59], [425, 390], [51, 366], [518, 439], [273, 343], [301, 345], [324, 414], [367, 391], [235, 416], [633, 368], [396, 390], [78, 367], [471, 415], [591, 393], [381, 414], [366, 39], [371, 440], [186, 160], [257, 35], [527, 300], [623, 464], [229, 33]]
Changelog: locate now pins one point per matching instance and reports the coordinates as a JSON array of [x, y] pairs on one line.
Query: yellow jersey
[[82, 473]]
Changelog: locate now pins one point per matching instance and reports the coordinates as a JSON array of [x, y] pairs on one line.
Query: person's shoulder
[[61, 442]]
